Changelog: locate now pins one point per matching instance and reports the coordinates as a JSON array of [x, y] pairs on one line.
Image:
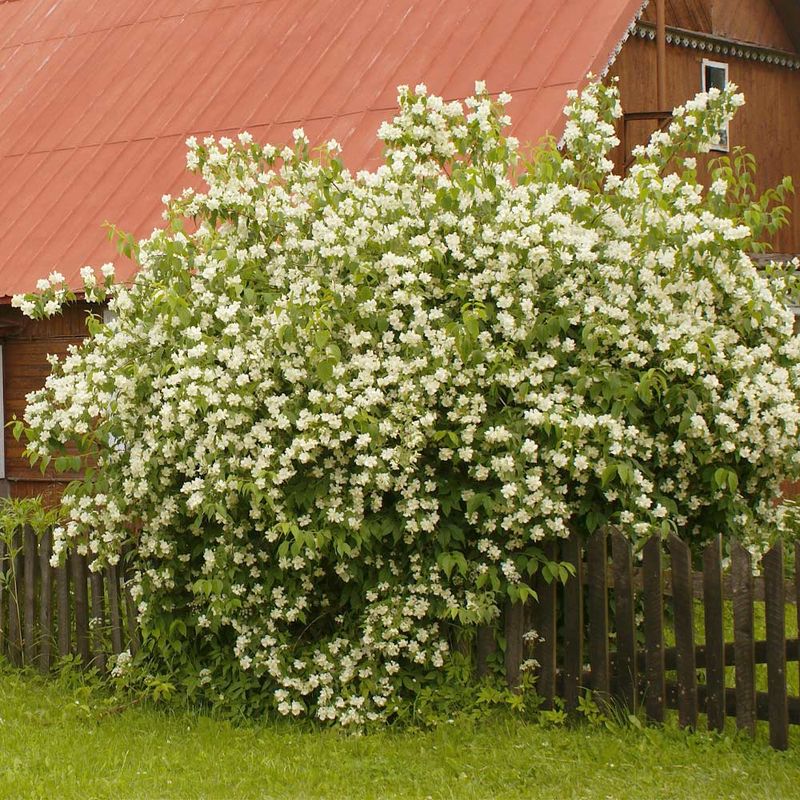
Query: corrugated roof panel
[[86, 192], [17, 17], [33, 217], [98, 96], [522, 42], [171, 77], [408, 53], [112, 88], [209, 86], [19, 174], [335, 93], [255, 62], [284, 64], [44, 92], [568, 21], [458, 64]]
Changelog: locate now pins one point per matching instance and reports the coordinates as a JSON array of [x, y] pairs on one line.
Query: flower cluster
[[337, 413]]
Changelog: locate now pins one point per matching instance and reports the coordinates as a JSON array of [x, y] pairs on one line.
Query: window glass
[[715, 76]]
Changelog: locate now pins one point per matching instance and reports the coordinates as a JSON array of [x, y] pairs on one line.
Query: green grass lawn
[[56, 742]]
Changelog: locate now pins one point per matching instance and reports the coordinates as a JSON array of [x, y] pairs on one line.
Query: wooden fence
[[604, 630], [48, 612]]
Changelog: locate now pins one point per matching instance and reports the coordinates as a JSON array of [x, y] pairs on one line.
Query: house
[[98, 96]]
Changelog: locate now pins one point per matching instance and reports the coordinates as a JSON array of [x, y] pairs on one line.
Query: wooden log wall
[[26, 345]]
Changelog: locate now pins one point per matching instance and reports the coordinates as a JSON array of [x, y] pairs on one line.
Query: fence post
[[15, 564], [81, 607], [45, 602], [513, 630], [597, 564], [653, 578], [744, 648], [3, 615], [715, 635], [797, 598], [627, 680], [62, 609], [112, 576], [544, 623], [775, 610], [31, 556], [130, 606], [683, 604], [573, 623], [98, 619]]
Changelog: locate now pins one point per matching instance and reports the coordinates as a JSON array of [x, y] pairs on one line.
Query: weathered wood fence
[[604, 630], [49, 612]]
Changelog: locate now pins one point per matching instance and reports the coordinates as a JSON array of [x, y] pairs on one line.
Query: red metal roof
[[98, 96]]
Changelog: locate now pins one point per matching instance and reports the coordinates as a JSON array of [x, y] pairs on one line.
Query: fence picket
[[775, 610], [31, 557], [98, 620], [513, 631], [45, 602], [797, 597], [130, 606], [14, 596], [573, 624], [655, 686], [682, 603], [622, 568], [544, 623], [112, 582], [81, 607], [62, 610], [3, 613], [715, 634], [597, 565], [744, 648]]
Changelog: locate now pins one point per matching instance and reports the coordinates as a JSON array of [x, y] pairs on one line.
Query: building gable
[[771, 23]]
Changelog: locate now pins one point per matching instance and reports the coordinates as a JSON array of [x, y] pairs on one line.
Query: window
[[715, 76]]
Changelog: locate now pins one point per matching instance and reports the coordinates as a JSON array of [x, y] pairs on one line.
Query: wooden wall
[[693, 15], [767, 125], [26, 344], [755, 21]]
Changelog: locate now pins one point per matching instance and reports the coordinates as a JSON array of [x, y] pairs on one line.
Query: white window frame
[[723, 146]]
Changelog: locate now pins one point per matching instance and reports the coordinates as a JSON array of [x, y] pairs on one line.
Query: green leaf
[[608, 475], [471, 325], [325, 369]]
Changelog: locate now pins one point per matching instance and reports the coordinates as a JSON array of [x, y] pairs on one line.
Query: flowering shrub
[[336, 413]]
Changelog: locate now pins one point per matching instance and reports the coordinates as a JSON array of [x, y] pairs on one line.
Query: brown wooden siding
[[26, 345], [766, 126], [694, 15], [755, 21], [751, 21]]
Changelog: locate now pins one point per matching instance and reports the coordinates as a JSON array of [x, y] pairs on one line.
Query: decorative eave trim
[[629, 31], [719, 45]]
